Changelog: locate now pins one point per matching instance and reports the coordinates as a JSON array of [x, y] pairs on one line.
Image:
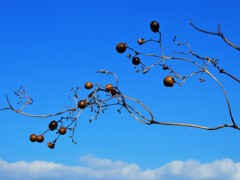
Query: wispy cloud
[[97, 168]]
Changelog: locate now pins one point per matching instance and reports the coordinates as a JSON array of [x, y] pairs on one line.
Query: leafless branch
[[219, 33], [101, 97], [201, 62]]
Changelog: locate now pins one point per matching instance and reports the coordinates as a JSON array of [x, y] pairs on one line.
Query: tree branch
[[219, 33]]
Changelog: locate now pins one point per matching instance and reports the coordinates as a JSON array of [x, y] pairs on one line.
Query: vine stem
[[129, 108], [152, 121], [38, 116], [194, 125], [225, 95], [219, 33]]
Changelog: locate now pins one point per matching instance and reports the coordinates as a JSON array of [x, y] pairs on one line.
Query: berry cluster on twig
[[202, 63], [98, 101], [100, 97]]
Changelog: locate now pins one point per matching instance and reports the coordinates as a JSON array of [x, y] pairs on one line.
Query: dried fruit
[[40, 138], [33, 137], [109, 87], [82, 104], [53, 125], [121, 47], [165, 67], [136, 60], [113, 92], [168, 81], [51, 145], [141, 41], [88, 85], [154, 26], [62, 130]]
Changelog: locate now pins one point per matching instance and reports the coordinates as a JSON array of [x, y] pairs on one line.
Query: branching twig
[[95, 100], [101, 97], [34, 115], [219, 33], [194, 59]]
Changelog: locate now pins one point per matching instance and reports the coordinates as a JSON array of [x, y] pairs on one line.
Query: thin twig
[[194, 125], [38, 116], [219, 33]]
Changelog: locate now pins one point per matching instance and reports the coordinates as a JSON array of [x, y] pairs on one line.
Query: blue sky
[[51, 46]]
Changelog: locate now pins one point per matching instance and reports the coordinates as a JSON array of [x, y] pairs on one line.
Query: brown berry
[[154, 26], [82, 104], [109, 87], [136, 60], [88, 85], [51, 145], [113, 92], [33, 137], [165, 67], [40, 138], [168, 81], [62, 130], [121, 47], [53, 125]]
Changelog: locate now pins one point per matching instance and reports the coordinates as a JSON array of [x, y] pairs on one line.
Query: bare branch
[[37, 116], [226, 97], [4, 109], [101, 97], [231, 76], [195, 126], [219, 33], [202, 68]]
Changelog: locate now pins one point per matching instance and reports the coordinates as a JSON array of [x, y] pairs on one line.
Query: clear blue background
[[51, 46]]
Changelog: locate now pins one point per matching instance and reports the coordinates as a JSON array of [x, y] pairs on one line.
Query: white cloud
[[106, 169]]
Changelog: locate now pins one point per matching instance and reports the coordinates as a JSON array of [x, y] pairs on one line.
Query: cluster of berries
[[121, 47]]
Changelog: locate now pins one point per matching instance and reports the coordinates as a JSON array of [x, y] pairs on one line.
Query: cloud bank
[[105, 169]]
